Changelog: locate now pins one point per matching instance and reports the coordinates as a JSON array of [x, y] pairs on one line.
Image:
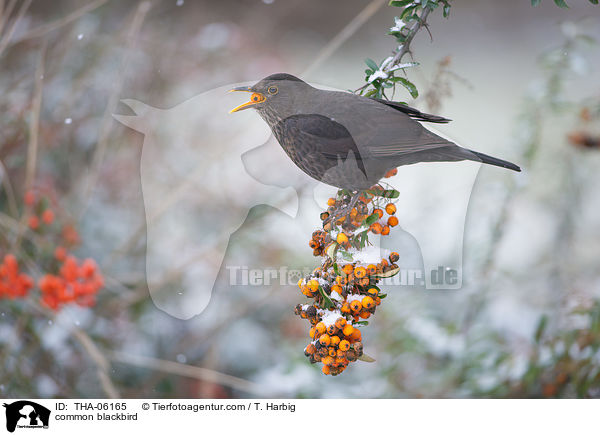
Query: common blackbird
[[346, 140]]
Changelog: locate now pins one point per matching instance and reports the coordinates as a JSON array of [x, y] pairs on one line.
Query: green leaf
[[371, 219], [539, 331], [389, 193], [327, 302], [370, 93], [332, 250], [410, 87], [446, 11], [406, 13], [346, 256], [382, 295], [399, 3], [360, 323], [371, 64], [336, 268], [594, 2], [387, 274], [535, 2], [561, 4], [366, 358]]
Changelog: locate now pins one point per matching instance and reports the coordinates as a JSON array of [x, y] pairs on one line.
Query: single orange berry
[[332, 352], [364, 315], [331, 202], [390, 209], [331, 329], [368, 302], [376, 228], [344, 345], [394, 256], [346, 308], [391, 173], [311, 332], [347, 269], [60, 253], [313, 285], [355, 306], [377, 300], [385, 231], [356, 335], [29, 198], [379, 212], [371, 269], [360, 272], [34, 222], [340, 323], [341, 238], [321, 328], [373, 292], [336, 288], [348, 329], [48, 216], [326, 370], [325, 340], [335, 340]]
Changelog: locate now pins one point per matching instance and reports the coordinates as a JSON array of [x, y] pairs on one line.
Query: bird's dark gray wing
[[320, 139], [413, 113]]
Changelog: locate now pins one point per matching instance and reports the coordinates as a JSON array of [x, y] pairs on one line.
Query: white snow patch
[[336, 296], [329, 317], [378, 75], [398, 27]]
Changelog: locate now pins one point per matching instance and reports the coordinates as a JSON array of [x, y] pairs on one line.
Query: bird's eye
[[272, 90]]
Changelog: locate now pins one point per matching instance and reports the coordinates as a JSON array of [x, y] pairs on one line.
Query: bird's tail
[[496, 162]]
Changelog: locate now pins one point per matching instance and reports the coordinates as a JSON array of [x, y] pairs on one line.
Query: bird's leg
[[345, 211]]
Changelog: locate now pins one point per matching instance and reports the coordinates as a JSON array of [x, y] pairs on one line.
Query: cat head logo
[[25, 414]]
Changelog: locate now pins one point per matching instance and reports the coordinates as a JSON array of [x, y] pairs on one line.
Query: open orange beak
[[255, 98]]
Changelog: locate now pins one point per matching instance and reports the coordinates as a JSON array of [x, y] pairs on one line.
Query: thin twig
[[6, 38], [189, 371], [34, 126], [10, 192], [107, 119], [46, 28], [6, 13], [102, 364], [344, 34], [405, 47]]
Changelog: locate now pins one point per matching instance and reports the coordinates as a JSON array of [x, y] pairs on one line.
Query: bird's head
[[273, 94]]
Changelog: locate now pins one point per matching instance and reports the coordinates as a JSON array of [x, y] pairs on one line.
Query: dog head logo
[[26, 414], [203, 170]]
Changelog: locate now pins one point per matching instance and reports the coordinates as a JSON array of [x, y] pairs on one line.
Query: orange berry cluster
[[74, 283], [344, 288], [40, 212], [13, 284], [336, 343]]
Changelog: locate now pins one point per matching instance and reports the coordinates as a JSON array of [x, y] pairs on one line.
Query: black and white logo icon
[[26, 415]]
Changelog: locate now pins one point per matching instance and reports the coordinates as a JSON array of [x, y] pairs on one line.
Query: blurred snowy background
[[518, 82]]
